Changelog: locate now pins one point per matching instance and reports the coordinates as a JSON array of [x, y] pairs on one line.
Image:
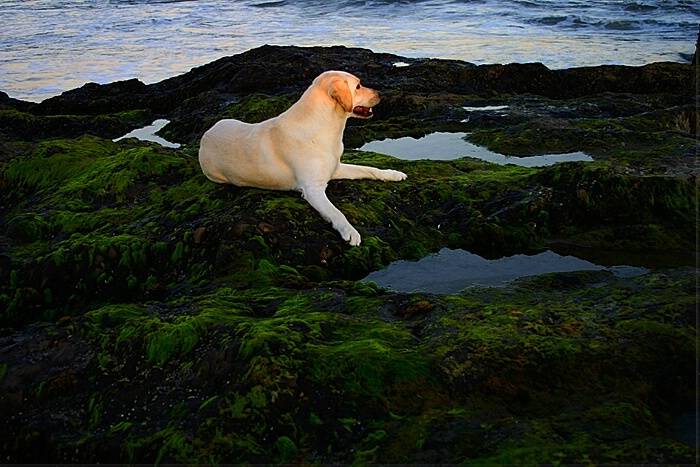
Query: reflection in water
[[449, 146], [451, 271], [148, 133]]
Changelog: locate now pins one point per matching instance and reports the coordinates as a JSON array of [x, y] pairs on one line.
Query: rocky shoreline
[[154, 317]]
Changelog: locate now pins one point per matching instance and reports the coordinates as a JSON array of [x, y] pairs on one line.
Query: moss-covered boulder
[[148, 315]]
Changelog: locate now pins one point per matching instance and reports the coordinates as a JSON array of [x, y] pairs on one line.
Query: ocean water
[[50, 46]]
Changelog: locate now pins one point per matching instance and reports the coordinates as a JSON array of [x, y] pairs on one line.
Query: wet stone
[[150, 316]]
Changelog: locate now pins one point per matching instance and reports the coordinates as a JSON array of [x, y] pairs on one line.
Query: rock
[[198, 97], [198, 235], [200, 323]]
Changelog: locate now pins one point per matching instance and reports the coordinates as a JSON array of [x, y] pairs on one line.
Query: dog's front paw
[[355, 239], [390, 175], [350, 235]]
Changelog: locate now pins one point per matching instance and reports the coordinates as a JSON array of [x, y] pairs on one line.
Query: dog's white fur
[[299, 149]]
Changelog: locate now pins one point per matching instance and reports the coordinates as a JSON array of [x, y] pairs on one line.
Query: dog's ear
[[339, 90]]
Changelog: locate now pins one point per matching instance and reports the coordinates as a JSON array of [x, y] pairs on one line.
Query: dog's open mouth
[[364, 112]]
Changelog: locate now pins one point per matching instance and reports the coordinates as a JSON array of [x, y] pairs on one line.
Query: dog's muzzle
[[364, 112]]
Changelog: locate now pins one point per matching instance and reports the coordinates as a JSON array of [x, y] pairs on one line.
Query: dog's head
[[345, 89]]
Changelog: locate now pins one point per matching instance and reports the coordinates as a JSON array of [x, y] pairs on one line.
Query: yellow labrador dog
[[299, 149]]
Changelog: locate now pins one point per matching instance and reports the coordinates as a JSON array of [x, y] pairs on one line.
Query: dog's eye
[[358, 86]]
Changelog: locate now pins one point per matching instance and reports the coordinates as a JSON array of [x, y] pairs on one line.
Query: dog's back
[[239, 153]]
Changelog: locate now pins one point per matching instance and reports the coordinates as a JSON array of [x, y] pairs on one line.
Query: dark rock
[[201, 94], [96, 99], [197, 323]]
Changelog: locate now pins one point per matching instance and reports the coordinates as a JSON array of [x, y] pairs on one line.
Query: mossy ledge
[[149, 316]]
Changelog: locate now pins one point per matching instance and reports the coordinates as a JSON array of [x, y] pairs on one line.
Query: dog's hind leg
[[354, 172], [317, 198]]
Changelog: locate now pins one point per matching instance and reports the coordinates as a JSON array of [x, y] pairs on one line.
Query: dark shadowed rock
[[203, 93]]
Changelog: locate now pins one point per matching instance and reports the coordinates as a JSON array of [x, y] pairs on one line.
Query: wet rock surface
[[151, 316]]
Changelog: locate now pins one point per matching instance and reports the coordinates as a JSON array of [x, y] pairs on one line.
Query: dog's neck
[[329, 115]]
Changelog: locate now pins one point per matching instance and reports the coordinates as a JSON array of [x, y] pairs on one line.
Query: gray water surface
[[148, 133], [451, 271], [450, 146]]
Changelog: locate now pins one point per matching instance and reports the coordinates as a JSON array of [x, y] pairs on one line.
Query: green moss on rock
[[199, 323]]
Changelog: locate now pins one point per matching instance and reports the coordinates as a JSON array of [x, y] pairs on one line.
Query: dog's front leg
[[354, 172], [316, 196]]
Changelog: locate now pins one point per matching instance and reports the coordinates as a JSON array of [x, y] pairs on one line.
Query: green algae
[[72, 178], [255, 108], [55, 162], [28, 127], [645, 206], [361, 365], [144, 190], [650, 142], [227, 325], [408, 413]]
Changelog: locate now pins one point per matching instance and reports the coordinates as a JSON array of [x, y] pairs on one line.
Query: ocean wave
[[151, 40], [274, 4], [620, 25], [643, 7], [142, 2]]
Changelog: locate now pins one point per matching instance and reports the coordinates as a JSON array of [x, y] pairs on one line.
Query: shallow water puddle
[[148, 133], [450, 146], [451, 271], [486, 108]]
